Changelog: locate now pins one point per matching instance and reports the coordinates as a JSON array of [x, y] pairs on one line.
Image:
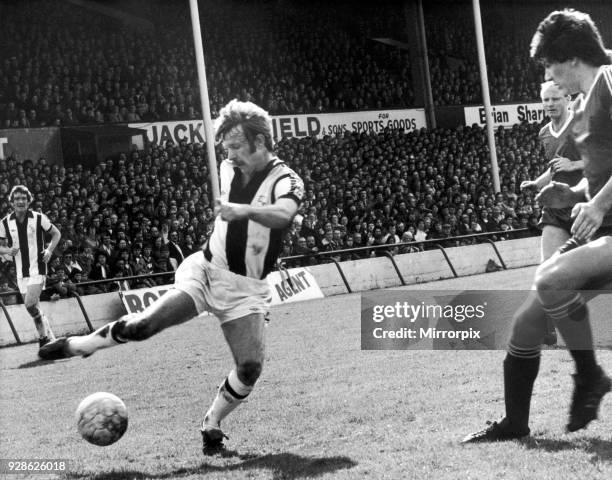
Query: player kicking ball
[[260, 196], [570, 47]]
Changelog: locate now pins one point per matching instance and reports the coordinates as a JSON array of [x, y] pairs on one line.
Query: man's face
[[554, 101], [563, 74], [20, 202], [239, 151]]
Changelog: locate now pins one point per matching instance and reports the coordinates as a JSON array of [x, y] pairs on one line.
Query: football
[[102, 418]]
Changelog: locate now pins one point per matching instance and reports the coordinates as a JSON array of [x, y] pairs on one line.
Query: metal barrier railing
[[436, 243], [8, 317], [76, 295], [383, 249]]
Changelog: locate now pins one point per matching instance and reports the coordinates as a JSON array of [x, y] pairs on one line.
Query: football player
[[569, 46], [260, 196]]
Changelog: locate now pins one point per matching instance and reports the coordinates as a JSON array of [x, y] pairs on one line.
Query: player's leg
[[521, 367], [553, 237], [558, 281], [246, 339], [173, 308], [31, 301]]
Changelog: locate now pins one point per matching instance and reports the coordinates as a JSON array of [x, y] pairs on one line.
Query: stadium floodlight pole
[[484, 80], [430, 110], [209, 133]]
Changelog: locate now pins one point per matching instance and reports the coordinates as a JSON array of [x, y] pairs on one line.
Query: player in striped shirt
[[570, 47], [260, 196], [22, 236]]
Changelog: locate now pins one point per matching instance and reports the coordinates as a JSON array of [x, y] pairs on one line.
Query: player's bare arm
[[6, 250], [539, 183], [560, 195], [589, 215], [55, 238], [278, 215], [562, 164]]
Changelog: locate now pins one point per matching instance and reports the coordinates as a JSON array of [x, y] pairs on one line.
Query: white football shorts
[[225, 294], [24, 282]]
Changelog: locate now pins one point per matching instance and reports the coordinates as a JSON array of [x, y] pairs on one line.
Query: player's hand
[[556, 195], [529, 185], [561, 164], [13, 251], [588, 219], [231, 211], [46, 255]]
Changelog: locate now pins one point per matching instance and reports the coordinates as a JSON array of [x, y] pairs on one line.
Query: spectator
[[69, 263], [175, 252], [101, 271]]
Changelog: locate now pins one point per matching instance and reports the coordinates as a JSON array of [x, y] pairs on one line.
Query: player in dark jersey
[[260, 196], [569, 46], [565, 165]]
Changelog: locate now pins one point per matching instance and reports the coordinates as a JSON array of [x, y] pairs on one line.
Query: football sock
[[47, 328], [101, 338], [586, 365], [38, 322], [232, 393], [572, 318], [41, 323], [521, 368]]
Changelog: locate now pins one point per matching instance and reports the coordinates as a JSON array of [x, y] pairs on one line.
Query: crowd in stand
[[67, 65], [144, 211]]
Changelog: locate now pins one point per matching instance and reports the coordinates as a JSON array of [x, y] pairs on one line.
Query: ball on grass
[[102, 418]]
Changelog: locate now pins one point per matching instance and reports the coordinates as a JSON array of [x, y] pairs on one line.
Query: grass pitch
[[322, 409]]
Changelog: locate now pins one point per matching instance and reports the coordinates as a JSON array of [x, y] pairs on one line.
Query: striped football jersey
[[246, 247], [29, 236]]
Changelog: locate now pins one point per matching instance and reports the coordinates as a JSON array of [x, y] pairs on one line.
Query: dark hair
[[254, 120], [567, 34], [20, 189]]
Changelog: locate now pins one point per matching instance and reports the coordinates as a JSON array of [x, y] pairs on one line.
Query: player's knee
[[547, 277], [529, 324], [32, 309], [137, 327], [249, 371]]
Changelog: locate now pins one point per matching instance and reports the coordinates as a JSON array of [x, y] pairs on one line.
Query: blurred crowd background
[[143, 211]]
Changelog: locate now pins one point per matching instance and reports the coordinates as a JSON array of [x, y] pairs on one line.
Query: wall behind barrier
[[367, 274], [31, 144], [425, 266]]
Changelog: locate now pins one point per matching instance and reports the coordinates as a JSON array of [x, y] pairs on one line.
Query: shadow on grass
[[282, 465], [600, 449], [35, 363]]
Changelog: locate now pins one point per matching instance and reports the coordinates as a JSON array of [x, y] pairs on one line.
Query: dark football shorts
[[557, 217], [573, 243]]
